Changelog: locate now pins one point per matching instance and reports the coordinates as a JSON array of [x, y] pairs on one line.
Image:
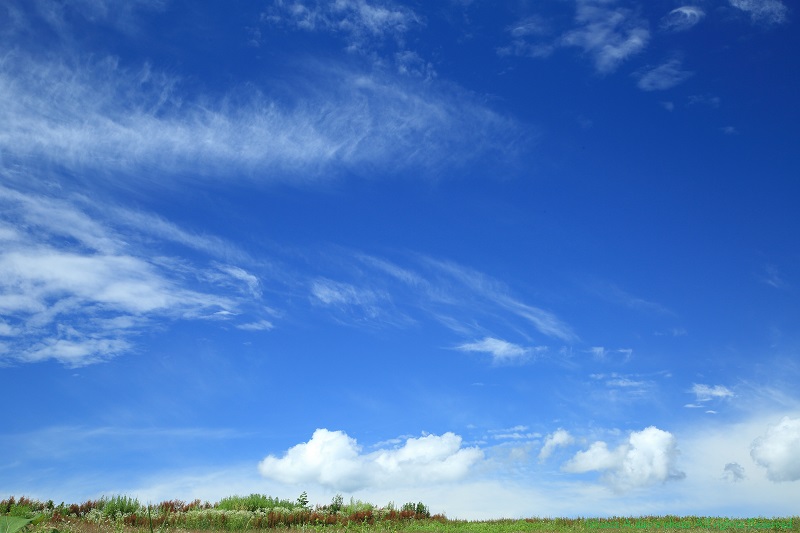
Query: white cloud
[[763, 11], [647, 458], [609, 34], [82, 115], [354, 302], [250, 281], [682, 18], [664, 76], [69, 265], [706, 393], [778, 450], [533, 27], [772, 276], [261, 325], [121, 15], [335, 460], [560, 437], [500, 350], [491, 290], [600, 353]]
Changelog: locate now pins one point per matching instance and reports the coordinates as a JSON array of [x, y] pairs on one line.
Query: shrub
[[118, 506], [254, 502]]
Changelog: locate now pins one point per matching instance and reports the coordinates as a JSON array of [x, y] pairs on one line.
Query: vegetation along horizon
[[125, 514]]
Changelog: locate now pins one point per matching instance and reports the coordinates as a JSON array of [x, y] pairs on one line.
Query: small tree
[[337, 503], [302, 500]]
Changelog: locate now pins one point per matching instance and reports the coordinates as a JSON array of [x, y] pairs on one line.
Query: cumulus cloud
[[664, 76], [778, 450], [500, 350], [763, 11], [609, 34], [647, 458], [560, 437], [335, 460], [733, 472], [682, 18]]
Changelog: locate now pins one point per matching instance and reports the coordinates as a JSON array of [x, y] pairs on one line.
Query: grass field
[[254, 513]]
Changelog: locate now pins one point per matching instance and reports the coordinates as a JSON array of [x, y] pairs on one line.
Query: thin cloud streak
[[769, 12], [82, 115], [663, 77], [363, 25], [98, 281], [682, 18]]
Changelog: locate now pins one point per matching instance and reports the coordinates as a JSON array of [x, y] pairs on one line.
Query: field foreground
[[256, 513]]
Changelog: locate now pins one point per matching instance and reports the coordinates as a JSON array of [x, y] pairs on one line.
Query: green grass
[[256, 512]]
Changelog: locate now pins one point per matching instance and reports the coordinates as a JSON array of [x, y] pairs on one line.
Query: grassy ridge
[[256, 512]]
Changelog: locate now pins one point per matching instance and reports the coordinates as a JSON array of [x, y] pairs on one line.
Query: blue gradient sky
[[510, 259]]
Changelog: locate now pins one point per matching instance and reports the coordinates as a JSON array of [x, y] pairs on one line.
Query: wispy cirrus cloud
[[502, 352], [607, 33], [83, 114], [363, 23], [121, 15], [663, 77], [768, 12], [682, 18], [63, 263], [773, 277], [495, 292], [423, 288], [705, 393]]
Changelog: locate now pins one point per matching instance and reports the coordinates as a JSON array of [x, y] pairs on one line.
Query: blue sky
[[507, 258]]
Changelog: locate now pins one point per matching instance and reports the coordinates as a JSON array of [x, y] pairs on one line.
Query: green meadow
[[257, 512]]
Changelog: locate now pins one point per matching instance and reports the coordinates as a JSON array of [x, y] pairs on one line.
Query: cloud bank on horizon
[[510, 260]]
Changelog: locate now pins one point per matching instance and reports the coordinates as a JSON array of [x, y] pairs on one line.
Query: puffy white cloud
[[335, 460], [682, 18], [778, 450], [647, 458], [560, 437], [763, 11], [664, 76]]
